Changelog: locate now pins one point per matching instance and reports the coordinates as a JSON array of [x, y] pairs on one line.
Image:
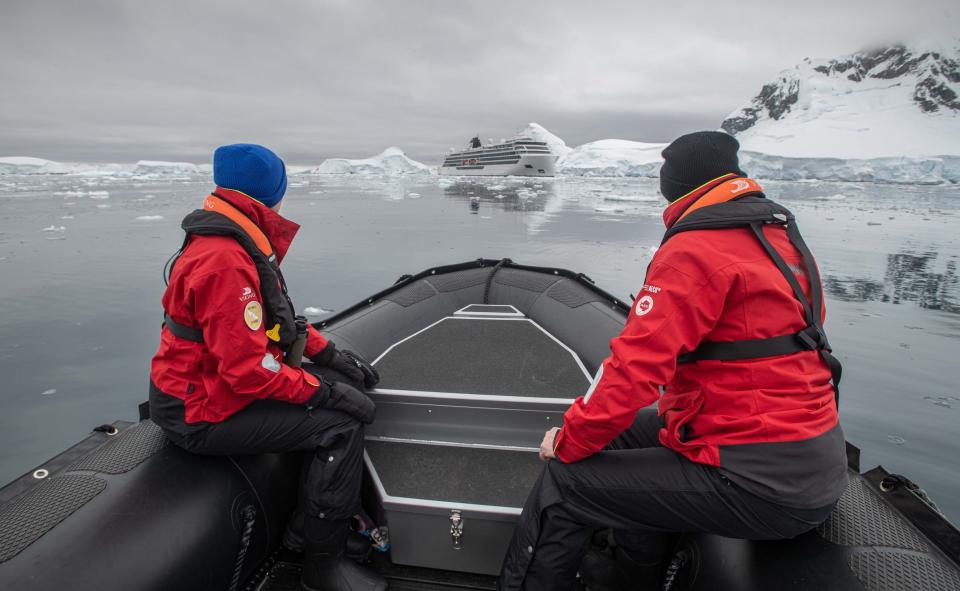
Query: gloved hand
[[370, 375], [330, 357], [357, 371], [345, 398]]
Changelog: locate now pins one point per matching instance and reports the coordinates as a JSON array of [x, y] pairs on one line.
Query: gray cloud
[[99, 80]]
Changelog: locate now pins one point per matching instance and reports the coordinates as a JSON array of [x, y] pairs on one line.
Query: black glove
[[353, 367], [330, 357], [370, 375], [345, 398]]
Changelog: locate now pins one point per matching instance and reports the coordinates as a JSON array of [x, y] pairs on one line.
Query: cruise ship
[[520, 156]]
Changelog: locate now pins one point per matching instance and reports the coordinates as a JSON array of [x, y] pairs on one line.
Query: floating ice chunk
[[54, 229], [836, 197], [148, 218], [315, 311], [49, 392], [413, 195], [99, 194], [66, 217]]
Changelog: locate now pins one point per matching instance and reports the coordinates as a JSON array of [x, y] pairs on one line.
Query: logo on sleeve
[[253, 315], [644, 305], [270, 363], [247, 294]]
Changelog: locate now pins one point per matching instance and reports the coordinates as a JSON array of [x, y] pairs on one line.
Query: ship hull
[[528, 165]]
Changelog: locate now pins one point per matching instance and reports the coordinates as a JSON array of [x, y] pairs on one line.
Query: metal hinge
[[456, 528]]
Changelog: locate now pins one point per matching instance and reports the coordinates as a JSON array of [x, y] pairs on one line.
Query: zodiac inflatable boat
[[477, 361]]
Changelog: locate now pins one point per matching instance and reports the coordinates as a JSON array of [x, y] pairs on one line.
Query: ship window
[[528, 166]]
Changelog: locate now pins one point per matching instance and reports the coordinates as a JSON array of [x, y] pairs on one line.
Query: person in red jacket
[[226, 378], [726, 335]]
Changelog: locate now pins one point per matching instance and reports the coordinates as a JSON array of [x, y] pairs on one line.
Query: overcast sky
[[126, 80]]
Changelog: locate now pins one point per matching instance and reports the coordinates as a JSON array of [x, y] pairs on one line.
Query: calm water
[[81, 285]]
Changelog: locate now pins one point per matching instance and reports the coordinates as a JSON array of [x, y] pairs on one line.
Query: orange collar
[[271, 232], [218, 205], [720, 190]]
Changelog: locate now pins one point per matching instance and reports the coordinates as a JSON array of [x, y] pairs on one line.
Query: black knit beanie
[[697, 158]]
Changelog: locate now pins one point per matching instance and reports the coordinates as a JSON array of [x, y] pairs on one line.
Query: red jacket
[[708, 285], [211, 287]]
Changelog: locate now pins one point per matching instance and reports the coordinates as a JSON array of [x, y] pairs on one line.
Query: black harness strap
[[812, 337], [187, 333]]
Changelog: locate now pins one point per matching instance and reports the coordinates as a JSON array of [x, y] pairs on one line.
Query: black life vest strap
[[811, 338], [182, 331], [808, 339]]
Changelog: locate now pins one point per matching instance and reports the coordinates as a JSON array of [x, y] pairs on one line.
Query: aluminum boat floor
[[480, 476], [486, 355]]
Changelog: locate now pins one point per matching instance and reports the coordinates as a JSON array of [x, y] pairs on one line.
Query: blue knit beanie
[[250, 169]]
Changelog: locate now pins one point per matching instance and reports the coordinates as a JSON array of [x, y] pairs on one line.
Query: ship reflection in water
[[509, 195], [909, 277]]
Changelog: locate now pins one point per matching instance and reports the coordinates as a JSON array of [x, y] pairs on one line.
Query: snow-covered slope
[[891, 102], [391, 161]]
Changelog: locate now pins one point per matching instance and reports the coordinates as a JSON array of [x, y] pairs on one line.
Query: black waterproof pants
[[333, 469], [640, 489]]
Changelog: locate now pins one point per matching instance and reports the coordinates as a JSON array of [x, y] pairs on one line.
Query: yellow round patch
[[253, 315]]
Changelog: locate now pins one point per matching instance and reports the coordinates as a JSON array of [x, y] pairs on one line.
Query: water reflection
[[909, 277], [508, 194]]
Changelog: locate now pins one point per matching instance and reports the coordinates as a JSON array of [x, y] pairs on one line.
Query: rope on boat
[[892, 481], [678, 562], [486, 288], [249, 514]]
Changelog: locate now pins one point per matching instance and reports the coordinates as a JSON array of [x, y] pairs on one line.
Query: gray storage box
[[461, 408]]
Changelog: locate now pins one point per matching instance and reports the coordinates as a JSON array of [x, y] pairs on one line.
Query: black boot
[[641, 557], [325, 568], [358, 545]]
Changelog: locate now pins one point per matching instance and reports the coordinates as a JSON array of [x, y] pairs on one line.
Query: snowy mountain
[[890, 102], [391, 161]]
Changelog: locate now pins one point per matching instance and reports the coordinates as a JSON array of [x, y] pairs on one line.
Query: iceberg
[[613, 158], [21, 165], [538, 132], [161, 168], [143, 168], [391, 161]]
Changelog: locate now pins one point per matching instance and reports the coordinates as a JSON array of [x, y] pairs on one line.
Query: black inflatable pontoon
[[477, 361]]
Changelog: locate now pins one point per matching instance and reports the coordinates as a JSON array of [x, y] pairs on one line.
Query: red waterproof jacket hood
[[214, 286]]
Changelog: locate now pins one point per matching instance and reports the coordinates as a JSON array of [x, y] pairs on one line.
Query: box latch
[[456, 528]]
